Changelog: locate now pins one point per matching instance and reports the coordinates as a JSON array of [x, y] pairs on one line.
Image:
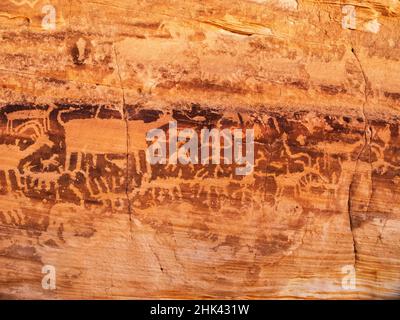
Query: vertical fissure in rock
[[125, 118], [351, 222], [367, 141]]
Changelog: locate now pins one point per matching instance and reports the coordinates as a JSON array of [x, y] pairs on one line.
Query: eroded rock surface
[[78, 193]]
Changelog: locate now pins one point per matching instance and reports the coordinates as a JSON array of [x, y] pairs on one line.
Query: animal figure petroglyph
[[104, 137], [36, 120], [380, 142], [311, 176], [11, 155], [110, 140]]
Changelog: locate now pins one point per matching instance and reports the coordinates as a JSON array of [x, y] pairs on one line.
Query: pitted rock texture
[[76, 189]]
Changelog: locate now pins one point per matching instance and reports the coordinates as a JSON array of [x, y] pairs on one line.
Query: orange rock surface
[[82, 82]]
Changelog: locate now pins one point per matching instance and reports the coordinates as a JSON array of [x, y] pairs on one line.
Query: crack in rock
[[367, 141], [125, 117]]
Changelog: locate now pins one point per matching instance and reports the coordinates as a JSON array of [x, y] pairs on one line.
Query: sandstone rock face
[[82, 82]]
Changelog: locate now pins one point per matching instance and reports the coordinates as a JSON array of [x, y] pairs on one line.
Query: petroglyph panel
[[77, 190]]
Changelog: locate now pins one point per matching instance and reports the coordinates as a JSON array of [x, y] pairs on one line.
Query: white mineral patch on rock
[[372, 26]]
